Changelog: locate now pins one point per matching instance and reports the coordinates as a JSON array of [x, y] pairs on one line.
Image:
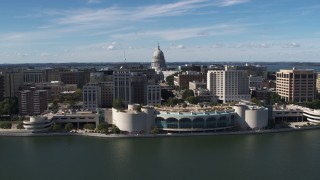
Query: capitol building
[[158, 62]]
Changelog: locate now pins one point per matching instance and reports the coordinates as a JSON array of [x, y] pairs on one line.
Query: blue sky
[[188, 30]]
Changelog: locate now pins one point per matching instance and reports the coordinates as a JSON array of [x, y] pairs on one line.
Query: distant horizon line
[[178, 62]]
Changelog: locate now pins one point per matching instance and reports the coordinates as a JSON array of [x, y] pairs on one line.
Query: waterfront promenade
[[26, 133]]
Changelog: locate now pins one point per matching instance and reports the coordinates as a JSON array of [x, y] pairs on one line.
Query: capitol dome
[[158, 62]]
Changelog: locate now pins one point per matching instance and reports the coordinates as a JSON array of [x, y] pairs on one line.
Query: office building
[[298, 85], [228, 85], [32, 102], [91, 96]]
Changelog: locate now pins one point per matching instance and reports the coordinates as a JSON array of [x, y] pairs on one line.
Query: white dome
[[158, 62]]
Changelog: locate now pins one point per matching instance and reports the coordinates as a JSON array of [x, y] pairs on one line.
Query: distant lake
[[287, 155]]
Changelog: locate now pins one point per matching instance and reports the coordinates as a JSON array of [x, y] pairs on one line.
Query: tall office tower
[[33, 76], [153, 94], [13, 80], [91, 96], [32, 102], [130, 87], [1, 87], [158, 61], [228, 85], [296, 85], [53, 74]]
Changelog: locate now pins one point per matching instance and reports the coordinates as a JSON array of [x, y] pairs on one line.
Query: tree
[[256, 101], [115, 129], [103, 127], [275, 98], [166, 94], [192, 100], [56, 127], [117, 104], [170, 79], [172, 101], [184, 105], [154, 130], [89, 126], [20, 126], [187, 93], [5, 125], [68, 127]]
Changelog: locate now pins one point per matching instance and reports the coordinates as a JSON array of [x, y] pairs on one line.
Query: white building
[[91, 96], [251, 116], [228, 85], [158, 61], [134, 121]]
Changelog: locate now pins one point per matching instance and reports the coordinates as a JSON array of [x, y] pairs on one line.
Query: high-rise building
[[228, 85], [91, 96], [130, 87], [296, 85], [33, 76], [13, 80], [32, 102], [158, 61], [153, 94], [1, 87]]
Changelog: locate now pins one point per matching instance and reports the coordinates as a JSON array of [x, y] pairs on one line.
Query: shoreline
[[25, 133]]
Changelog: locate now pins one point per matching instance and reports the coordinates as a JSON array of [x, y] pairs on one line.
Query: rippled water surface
[[288, 155]]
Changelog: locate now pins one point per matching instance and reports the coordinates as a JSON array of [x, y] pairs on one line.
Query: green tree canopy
[[256, 101], [275, 98], [187, 93], [166, 94], [68, 127], [118, 104], [56, 127], [172, 101], [170, 79], [20, 126], [115, 129], [192, 100], [89, 126], [5, 125], [103, 127]]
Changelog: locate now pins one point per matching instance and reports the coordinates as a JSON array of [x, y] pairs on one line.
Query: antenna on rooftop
[[124, 56]]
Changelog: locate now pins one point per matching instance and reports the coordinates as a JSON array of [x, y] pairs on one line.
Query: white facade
[[228, 85], [153, 94], [252, 117], [37, 124], [91, 96], [133, 121], [158, 61]]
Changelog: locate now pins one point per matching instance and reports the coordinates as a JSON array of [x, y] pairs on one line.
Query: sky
[[47, 31]]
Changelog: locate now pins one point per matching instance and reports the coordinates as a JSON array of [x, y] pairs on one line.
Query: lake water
[[288, 155]]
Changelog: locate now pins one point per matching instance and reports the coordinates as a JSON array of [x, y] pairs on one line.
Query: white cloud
[[185, 33], [225, 3], [94, 1], [292, 45], [179, 46], [111, 47]]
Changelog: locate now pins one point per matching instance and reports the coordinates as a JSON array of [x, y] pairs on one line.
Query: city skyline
[[38, 31]]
